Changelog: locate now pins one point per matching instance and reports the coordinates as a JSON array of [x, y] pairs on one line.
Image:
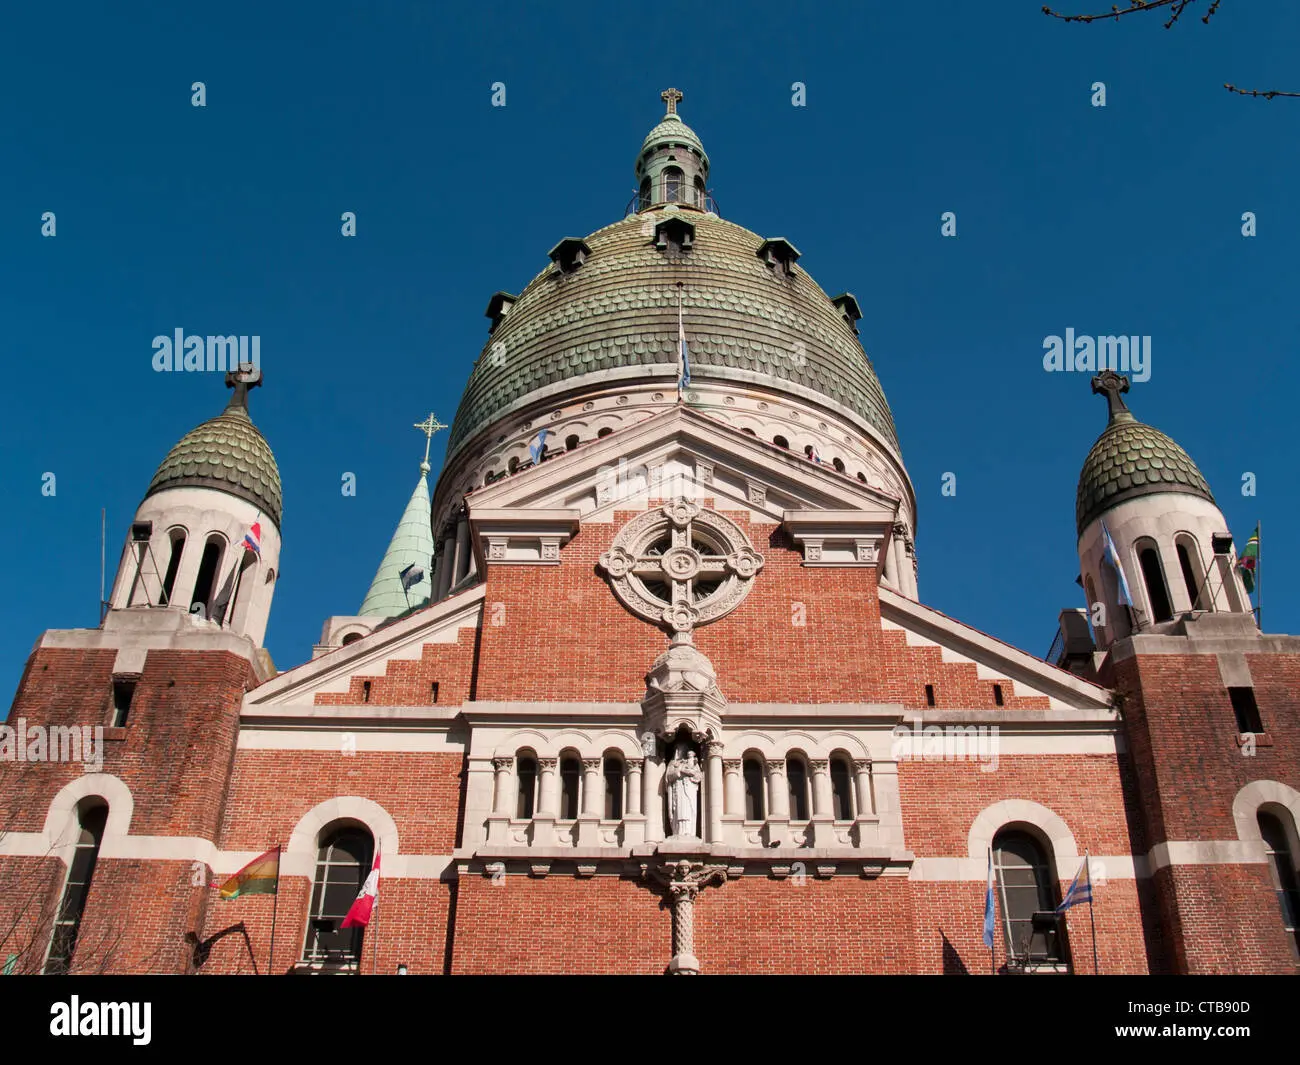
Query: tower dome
[[228, 453], [1131, 459]]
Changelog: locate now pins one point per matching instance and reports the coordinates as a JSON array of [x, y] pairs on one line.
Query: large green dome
[[227, 453], [614, 318]]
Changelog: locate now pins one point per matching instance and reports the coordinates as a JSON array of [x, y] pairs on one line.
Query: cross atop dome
[[241, 380], [1112, 384], [429, 426], [672, 97]]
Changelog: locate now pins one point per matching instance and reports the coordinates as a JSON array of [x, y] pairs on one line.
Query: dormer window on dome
[[674, 235], [570, 254], [848, 306], [498, 307], [779, 254]]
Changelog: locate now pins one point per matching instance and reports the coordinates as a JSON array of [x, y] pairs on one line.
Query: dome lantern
[[672, 166]]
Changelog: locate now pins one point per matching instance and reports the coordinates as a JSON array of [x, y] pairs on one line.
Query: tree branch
[[1116, 12], [1267, 94]]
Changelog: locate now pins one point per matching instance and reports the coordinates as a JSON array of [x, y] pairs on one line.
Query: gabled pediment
[[680, 452], [370, 656]]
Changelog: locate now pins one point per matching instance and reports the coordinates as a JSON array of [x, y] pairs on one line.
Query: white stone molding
[[1010, 812], [1251, 797], [520, 535], [842, 538], [300, 855]]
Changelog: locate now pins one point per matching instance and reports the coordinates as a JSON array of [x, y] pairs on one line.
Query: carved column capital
[[501, 765], [732, 765], [776, 765], [820, 765], [547, 764], [862, 765], [634, 765], [591, 765]]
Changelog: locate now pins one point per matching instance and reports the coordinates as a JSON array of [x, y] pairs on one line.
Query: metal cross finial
[[1112, 383], [241, 380], [672, 97], [429, 426]]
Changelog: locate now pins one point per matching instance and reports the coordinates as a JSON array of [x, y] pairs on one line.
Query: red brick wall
[[409, 683]]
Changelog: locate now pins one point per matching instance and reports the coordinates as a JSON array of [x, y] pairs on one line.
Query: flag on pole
[[814, 454], [261, 876], [411, 576], [684, 358], [1080, 890], [253, 539], [1248, 562], [359, 913], [1112, 556], [538, 447], [988, 906]]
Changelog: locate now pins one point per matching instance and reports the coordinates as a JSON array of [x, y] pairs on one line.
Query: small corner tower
[[1143, 504], [206, 537]]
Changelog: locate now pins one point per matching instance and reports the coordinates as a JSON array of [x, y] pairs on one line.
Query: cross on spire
[[672, 97], [241, 380], [1112, 384], [429, 426]]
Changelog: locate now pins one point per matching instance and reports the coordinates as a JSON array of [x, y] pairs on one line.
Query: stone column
[[633, 819], [823, 818], [462, 548], [651, 804], [866, 825], [547, 802], [713, 822], [593, 794], [446, 561], [778, 803], [499, 820], [684, 880], [733, 818]]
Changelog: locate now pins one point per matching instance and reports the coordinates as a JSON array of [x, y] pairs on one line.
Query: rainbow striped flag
[[261, 876]]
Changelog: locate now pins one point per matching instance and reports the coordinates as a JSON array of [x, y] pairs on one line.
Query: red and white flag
[[360, 911]]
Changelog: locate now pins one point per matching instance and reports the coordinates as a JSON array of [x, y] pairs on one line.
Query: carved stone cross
[[681, 564], [672, 97]]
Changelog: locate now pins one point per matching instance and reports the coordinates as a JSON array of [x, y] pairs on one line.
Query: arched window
[[513, 465], [342, 865], [781, 441], [570, 442], [1027, 887], [208, 568], [351, 637], [1282, 868], [753, 774], [841, 789], [862, 477], [177, 537], [700, 193], [1189, 561], [92, 815], [749, 431], [644, 199], [672, 185], [526, 774], [838, 464], [604, 432], [570, 778], [1153, 577], [613, 788], [243, 588], [796, 774]]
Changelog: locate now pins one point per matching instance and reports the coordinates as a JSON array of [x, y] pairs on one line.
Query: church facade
[[646, 684]]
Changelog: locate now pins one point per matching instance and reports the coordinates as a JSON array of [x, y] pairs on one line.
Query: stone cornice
[[842, 537]]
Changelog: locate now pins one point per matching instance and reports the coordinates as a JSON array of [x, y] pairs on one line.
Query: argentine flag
[[536, 448], [684, 379], [1112, 556]]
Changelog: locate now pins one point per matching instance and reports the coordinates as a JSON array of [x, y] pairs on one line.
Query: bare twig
[[1267, 94], [1116, 12]]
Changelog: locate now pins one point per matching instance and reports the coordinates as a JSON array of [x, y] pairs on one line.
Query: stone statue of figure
[[683, 779]]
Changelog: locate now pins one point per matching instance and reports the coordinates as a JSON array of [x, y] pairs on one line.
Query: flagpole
[[275, 906], [993, 964], [374, 951], [681, 361], [1259, 577], [1092, 921]]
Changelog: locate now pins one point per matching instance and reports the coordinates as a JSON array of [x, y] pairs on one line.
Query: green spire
[[411, 545]]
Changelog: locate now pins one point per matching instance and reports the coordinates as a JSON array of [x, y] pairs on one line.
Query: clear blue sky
[[225, 219]]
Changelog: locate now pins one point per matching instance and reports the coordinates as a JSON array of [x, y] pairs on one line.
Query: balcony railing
[[688, 196]]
